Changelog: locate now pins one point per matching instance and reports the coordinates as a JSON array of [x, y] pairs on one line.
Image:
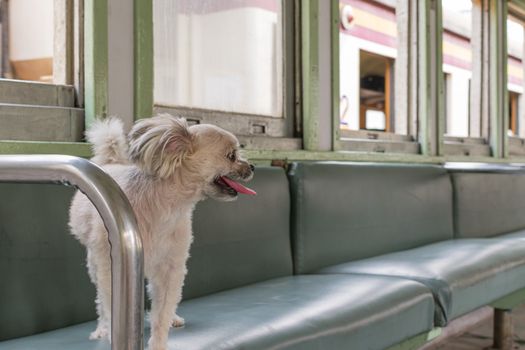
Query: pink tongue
[[238, 187]]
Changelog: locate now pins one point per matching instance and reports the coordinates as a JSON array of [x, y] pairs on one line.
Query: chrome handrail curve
[[127, 258]]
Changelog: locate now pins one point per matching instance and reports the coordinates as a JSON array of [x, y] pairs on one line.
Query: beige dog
[[167, 168]]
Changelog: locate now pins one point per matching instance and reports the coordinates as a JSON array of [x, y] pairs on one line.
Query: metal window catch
[[258, 129], [127, 259]]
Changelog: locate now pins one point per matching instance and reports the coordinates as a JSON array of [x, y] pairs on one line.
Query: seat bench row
[[328, 255]]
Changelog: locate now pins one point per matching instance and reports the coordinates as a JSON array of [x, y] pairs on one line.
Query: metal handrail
[[127, 259]]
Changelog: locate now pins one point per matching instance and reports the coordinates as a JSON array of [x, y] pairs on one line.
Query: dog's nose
[[252, 167]]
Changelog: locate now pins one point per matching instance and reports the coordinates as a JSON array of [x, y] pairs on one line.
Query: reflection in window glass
[[375, 73], [367, 44], [457, 65], [515, 74], [219, 55]]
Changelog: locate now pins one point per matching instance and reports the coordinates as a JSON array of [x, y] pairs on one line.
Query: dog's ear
[[160, 144]]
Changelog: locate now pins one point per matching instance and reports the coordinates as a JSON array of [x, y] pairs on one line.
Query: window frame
[[516, 143], [476, 143], [311, 121], [363, 140], [55, 107], [255, 131], [417, 54], [419, 63]]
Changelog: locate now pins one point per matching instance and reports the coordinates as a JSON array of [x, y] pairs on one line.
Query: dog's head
[[202, 157]]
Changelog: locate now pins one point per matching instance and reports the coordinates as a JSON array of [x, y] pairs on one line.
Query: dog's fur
[[165, 168]]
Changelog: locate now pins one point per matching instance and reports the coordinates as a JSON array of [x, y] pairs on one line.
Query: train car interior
[[262, 174]]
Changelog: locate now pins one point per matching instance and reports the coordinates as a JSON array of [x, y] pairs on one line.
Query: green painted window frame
[[516, 144], [430, 105], [48, 104], [416, 47], [253, 130], [97, 98], [96, 76], [422, 54]]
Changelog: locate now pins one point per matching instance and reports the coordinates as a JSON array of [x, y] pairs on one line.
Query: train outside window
[[368, 45], [515, 29], [457, 66], [374, 90]]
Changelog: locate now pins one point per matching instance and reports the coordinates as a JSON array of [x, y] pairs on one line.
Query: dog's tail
[[108, 141]]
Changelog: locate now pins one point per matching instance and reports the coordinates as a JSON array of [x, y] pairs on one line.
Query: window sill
[[267, 156], [43, 123], [516, 146], [377, 146], [466, 146], [82, 149]]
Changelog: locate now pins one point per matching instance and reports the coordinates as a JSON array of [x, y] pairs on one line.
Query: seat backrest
[[488, 204], [241, 242], [349, 211], [45, 284]]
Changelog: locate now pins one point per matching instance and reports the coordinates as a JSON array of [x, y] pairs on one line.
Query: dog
[[164, 167]]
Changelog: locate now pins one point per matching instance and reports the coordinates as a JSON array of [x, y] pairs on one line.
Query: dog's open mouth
[[232, 187]]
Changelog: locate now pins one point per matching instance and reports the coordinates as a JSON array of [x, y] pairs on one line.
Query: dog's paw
[[177, 322], [156, 347], [152, 345], [99, 333]]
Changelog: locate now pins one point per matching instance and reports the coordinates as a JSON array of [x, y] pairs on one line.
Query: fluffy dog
[[165, 168]]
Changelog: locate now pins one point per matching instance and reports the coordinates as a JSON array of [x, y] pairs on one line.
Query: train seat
[[240, 291], [402, 220]]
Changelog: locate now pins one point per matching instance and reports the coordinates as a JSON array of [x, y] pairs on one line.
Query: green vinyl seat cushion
[[44, 284], [519, 235], [488, 204], [350, 211], [296, 312], [463, 274], [241, 242]]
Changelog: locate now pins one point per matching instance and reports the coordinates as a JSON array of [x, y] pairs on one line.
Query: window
[[463, 134], [40, 85], [30, 54], [368, 45], [225, 62], [514, 105], [515, 83], [375, 88]]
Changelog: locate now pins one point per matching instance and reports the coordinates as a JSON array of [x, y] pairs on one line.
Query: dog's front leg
[[165, 289]]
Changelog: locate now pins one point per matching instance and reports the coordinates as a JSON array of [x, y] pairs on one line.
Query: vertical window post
[[479, 92], [63, 42], [430, 77], [419, 72], [406, 80], [334, 35], [96, 59], [498, 123], [521, 103], [316, 16], [143, 60]]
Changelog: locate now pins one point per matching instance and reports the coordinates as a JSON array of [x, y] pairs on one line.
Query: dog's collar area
[[233, 187]]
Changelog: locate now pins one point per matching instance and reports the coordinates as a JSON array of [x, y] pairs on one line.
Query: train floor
[[480, 337]]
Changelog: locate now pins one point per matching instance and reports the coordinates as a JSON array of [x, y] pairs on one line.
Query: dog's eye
[[232, 156]]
